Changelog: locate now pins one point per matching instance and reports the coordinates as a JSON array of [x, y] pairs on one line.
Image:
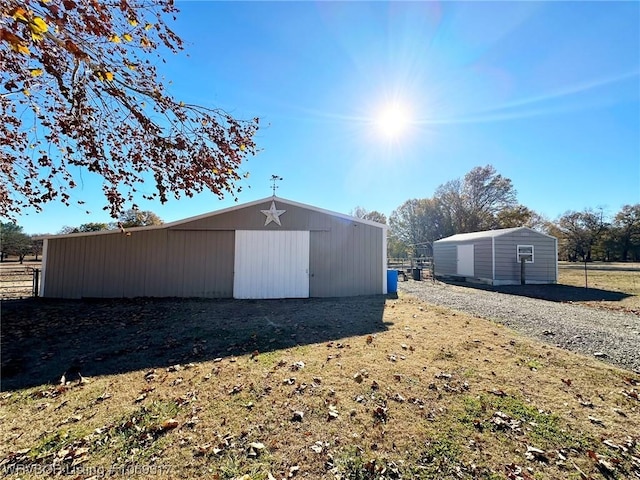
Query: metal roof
[[487, 234], [219, 212]]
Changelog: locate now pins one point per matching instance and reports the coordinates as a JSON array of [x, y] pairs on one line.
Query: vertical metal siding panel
[[339, 260], [355, 254], [66, 259], [493, 258], [362, 267], [209, 254], [363, 280], [483, 267], [53, 268], [319, 264], [157, 264], [209, 262], [194, 261], [225, 280], [445, 258], [302, 280], [114, 267], [138, 275], [347, 260], [59, 269], [45, 250], [507, 268], [94, 260], [174, 281], [382, 252], [555, 258], [73, 267], [543, 268], [219, 264], [238, 279], [368, 262], [382, 249], [134, 271], [202, 246]]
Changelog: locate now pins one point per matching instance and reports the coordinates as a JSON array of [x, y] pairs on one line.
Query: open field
[[354, 388], [615, 277], [16, 279]]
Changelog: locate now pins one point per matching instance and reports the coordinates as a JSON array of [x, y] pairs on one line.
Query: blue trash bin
[[392, 281]]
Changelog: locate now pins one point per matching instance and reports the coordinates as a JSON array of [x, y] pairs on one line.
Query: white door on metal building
[[271, 264], [465, 260]]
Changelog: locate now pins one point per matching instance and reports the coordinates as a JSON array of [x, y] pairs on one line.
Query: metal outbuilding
[[495, 256], [269, 248]]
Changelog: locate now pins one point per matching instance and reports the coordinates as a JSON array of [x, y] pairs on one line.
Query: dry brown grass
[[438, 394], [615, 277]]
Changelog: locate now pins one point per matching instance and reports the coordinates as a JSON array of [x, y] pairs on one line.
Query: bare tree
[[473, 202], [419, 222], [626, 225], [138, 218], [374, 216], [85, 227], [579, 232]]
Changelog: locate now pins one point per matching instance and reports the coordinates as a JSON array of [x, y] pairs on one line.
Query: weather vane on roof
[[274, 179]]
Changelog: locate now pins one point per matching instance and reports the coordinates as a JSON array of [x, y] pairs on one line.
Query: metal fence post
[[36, 282]]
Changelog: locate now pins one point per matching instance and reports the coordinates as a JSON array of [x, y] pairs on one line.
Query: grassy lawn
[[327, 389], [615, 277]]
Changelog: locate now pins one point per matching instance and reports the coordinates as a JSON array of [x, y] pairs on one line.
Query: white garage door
[[465, 260], [271, 264]]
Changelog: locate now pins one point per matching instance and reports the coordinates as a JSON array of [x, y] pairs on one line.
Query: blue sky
[[546, 92]]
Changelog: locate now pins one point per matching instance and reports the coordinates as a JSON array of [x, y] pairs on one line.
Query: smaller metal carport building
[[494, 256]]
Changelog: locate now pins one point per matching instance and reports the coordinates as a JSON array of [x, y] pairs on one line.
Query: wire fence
[[19, 281]]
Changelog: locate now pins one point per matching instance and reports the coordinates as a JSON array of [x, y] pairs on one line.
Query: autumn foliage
[[79, 91]]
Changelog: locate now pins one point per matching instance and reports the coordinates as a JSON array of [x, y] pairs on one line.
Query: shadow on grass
[[42, 339], [552, 292]]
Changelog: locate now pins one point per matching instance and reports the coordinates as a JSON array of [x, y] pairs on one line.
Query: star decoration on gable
[[273, 214]]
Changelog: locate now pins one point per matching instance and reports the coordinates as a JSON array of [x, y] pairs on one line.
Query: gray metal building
[[494, 256], [269, 248]]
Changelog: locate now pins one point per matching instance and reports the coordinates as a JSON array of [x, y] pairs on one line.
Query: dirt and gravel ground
[[612, 336]]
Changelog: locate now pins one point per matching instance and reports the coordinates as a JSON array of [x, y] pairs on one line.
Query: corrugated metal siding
[[135, 263], [156, 280], [507, 269], [345, 258], [345, 261], [156, 263], [542, 270], [92, 262], [483, 261], [196, 258], [445, 258]]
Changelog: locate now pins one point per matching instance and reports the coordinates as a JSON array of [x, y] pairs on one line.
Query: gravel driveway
[[613, 337]]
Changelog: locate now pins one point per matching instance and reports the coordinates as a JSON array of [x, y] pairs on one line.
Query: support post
[[522, 270], [36, 282]]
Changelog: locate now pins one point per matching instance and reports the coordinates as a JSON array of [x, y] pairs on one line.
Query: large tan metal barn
[[269, 248]]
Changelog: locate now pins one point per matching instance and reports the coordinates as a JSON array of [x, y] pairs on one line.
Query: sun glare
[[393, 120]]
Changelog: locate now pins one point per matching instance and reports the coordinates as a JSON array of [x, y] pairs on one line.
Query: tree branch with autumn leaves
[[79, 90]]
